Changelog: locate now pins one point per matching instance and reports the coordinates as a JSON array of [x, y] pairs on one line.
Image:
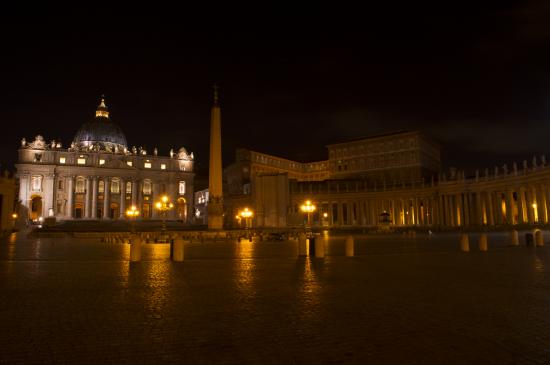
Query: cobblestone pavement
[[399, 301]]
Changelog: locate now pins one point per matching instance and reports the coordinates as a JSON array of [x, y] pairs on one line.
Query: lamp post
[[308, 208], [246, 214], [164, 205], [14, 219], [132, 214]]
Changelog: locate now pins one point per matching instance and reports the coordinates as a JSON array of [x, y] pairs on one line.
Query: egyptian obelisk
[[215, 201]]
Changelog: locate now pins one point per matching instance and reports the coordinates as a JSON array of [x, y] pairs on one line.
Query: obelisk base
[[215, 215]]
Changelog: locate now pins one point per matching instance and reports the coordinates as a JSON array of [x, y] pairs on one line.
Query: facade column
[[122, 205], [54, 193], [547, 199], [155, 197], [49, 192], [95, 182], [87, 200], [106, 197], [140, 198], [135, 184], [70, 196]]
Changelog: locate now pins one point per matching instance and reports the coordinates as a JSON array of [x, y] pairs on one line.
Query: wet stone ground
[[398, 301]]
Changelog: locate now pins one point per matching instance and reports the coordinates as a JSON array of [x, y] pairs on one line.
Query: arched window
[[115, 186], [36, 183], [101, 188], [147, 187], [129, 187], [182, 188], [80, 185]]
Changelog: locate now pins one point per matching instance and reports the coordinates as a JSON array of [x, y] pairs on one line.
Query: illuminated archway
[[182, 209], [113, 211], [36, 207]]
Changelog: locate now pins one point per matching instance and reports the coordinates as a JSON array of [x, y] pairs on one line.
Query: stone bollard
[[302, 245], [319, 247], [350, 246], [179, 252], [135, 248], [464, 242], [483, 242], [539, 240], [514, 238]]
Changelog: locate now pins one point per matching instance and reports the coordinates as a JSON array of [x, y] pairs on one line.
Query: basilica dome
[[100, 133]]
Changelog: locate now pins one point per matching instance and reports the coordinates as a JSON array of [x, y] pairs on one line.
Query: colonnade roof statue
[[100, 133]]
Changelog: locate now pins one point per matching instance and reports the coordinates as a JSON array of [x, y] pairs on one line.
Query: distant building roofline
[[375, 136]]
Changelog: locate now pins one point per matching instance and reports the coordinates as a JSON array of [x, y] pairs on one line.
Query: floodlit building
[[99, 176], [395, 178]]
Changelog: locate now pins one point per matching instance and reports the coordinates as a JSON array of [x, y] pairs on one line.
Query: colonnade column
[[489, 205], [122, 205], [509, 206], [528, 205], [106, 196], [520, 206], [541, 204], [479, 209], [70, 196], [441, 211], [466, 209], [87, 202], [93, 213]]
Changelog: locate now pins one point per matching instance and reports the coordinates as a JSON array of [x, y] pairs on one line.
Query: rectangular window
[[182, 187], [147, 165], [36, 183], [81, 161], [129, 163], [163, 166], [115, 186], [60, 184], [101, 161], [62, 160]]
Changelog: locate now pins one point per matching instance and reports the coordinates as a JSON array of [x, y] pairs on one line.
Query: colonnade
[[440, 205]]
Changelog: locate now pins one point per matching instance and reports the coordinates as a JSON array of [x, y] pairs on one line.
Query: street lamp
[[132, 214], [246, 214], [164, 205], [308, 208], [14, 219]]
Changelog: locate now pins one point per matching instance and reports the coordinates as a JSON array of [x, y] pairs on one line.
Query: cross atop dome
[[102, 110]]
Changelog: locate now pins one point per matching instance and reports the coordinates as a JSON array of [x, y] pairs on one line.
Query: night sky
[[476, 78]]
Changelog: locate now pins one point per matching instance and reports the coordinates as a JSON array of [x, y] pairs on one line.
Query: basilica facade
[[99, 176]]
